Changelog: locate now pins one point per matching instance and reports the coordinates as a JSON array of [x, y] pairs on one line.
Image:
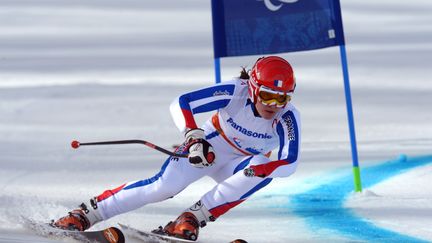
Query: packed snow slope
[[104, 70], [42, 177]]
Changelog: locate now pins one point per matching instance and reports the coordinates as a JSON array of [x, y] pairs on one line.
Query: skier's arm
[[288, 130], [208, 99]]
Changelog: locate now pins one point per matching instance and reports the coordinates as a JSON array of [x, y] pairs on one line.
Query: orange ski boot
[[186, 226], [75, 220]]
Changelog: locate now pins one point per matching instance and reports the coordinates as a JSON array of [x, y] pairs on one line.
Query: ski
[[152, 237], [107, 235]]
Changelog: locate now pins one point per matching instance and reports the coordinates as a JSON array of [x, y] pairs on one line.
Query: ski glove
[[201, 153], [255, 170]]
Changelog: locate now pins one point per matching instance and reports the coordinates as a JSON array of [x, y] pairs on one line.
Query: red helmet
[[272, 72]]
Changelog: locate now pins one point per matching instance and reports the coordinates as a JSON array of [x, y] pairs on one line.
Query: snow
[[407, 212], [105, 70]]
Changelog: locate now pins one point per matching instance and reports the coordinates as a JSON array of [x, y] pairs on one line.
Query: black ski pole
[[75, 144]]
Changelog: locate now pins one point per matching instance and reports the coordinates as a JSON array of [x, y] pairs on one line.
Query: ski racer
[[252, 116]]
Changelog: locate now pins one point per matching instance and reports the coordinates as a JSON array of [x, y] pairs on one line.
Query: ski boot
[[80, 219], [75, 220], [186, 226]]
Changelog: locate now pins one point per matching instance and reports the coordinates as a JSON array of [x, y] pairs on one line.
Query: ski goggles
[[271, 97]]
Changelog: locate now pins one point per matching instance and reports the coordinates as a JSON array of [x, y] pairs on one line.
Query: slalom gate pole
[[75, 144], [217, 70], [356, 167]]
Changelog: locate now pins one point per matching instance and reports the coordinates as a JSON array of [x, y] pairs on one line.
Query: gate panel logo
[[276, 7]]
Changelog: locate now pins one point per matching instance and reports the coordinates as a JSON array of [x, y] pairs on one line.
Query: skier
[[253, 116]]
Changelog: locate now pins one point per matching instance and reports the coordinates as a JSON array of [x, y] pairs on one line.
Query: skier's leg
[[175, 175], [235, 188], [232, 189]]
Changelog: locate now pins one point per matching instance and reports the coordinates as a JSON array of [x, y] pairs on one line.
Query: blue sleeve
[[288, 130], [199, 101]]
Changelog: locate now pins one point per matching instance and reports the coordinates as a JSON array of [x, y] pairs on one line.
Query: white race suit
[[240, 139]]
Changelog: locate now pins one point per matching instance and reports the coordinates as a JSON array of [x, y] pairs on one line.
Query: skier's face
[[267, 112]]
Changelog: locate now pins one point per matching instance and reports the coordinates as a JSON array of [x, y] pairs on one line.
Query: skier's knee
[[259, 159]]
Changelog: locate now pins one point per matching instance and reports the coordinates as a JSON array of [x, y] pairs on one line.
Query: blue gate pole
[[217, 70], [356, 168]]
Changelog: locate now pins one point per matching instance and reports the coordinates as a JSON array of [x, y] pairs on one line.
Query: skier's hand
[[255, 170], [201, 153]]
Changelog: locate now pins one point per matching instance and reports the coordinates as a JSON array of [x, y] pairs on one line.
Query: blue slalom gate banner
[[256, 27], [253, 27]]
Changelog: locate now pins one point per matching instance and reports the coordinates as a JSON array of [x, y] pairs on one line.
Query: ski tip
[[114, 235], [238, 241]]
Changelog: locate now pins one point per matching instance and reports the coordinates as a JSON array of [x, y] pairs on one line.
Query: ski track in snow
[[324, 207]]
